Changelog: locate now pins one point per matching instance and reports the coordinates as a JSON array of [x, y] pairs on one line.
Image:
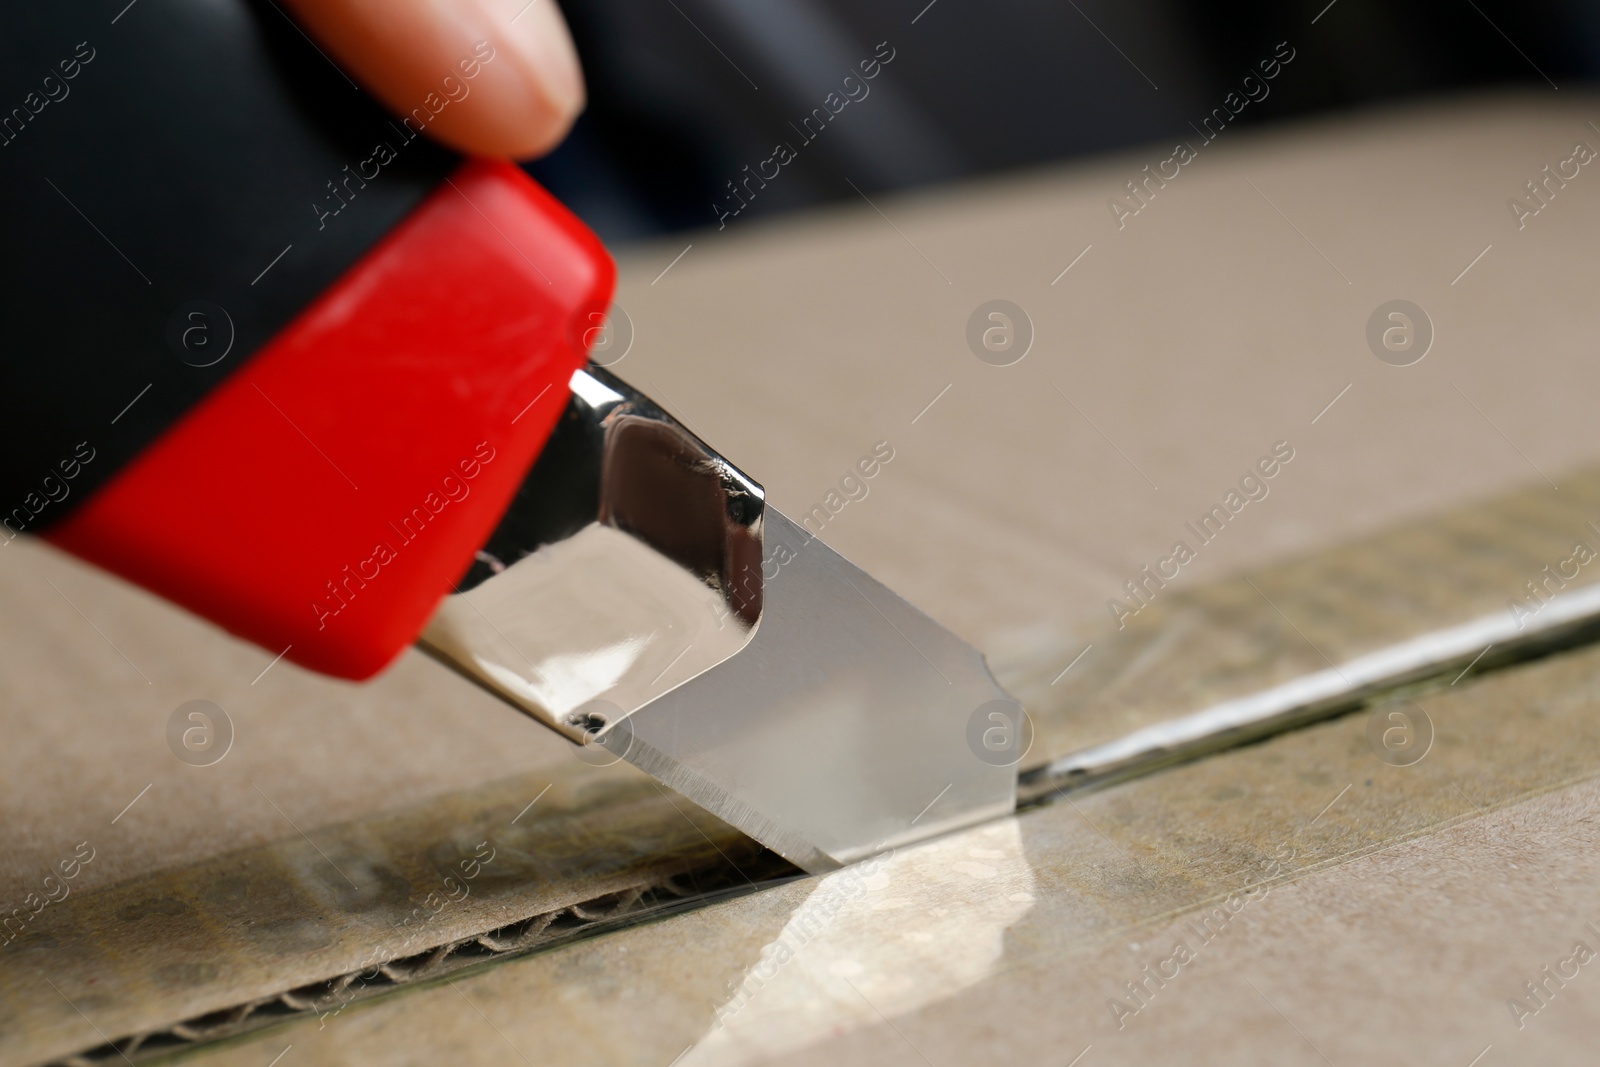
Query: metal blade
[[850, 723], [640, 596]]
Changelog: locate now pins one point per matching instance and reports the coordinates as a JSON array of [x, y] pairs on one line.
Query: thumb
[[515, 97]]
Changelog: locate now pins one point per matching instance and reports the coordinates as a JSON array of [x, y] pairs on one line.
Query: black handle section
[[179, 179]]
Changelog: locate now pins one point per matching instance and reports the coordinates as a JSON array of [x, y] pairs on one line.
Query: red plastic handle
[[328, 493]]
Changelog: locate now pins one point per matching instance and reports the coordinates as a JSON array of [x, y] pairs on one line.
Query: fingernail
[[537, 33]]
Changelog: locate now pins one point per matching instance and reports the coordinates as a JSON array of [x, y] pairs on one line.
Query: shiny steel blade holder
[[639, 594]]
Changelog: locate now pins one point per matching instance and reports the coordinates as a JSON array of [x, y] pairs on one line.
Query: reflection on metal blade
[[850, 723]]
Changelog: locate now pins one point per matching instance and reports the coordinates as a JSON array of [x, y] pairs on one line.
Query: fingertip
[[553, 95], [514, 88]]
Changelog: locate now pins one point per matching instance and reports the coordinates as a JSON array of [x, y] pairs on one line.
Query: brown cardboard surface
[[314, 923], [1194, 339], [1191, 340], [1330, 904], [1224, 318]]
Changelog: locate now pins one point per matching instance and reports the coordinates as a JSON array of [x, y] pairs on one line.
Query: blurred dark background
[[683, 94]]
